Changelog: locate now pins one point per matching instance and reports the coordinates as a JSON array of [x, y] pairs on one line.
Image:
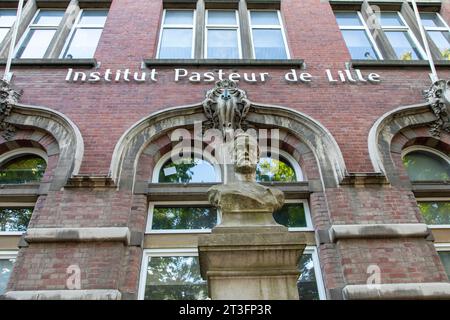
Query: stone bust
[[246, 202]]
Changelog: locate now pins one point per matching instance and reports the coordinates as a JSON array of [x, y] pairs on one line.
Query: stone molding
[[294, 63], [94, 294], [374, 231], [398, 291], [103, 234], [87, 181], [362, 179]]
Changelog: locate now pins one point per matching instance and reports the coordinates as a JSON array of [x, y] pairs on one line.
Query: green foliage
[[22, 170], [15, 219], [269, 170], [446, 54], [174, 278], [435, 212], [406, 56], [183, 173], [170, 218], [291, 215], [425, 166]]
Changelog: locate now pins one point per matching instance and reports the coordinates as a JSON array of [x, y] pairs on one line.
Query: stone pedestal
[[251, 263]]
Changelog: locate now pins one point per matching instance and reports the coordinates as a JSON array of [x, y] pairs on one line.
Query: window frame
[[169, 252], [425, 149], [445, 28], [151, 206], [9, 255], [431, 199], [364, 28], [403, 28], [272, 27], [33, 26], [317, 270], [178, 26], [5, 26], [309, 224], [16, 205], [76, 26], [236, 27]]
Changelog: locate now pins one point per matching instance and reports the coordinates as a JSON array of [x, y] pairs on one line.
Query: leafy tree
[[22, 170], [269, 170], [407, 56], [169, 218], [446, 54], [291, 215], [15, 219], [435, 212]]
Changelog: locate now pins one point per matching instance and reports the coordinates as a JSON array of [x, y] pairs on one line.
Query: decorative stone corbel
[[226, 107], [8, 98], [438, 97]]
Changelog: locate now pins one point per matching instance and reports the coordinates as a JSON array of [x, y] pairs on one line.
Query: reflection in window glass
[[348, 19], [442, 40], [430, 19], [426, 166], [291, 215], [187, 170], [221, 17], [7, 18], [174, 278], [264, 18], [179, 17], [307, 282], [35, 44], [29, 168], [269, 44], [280, 170], [6, 266], [445, 258], [176, 44], [15, 219], [49, 17], [358, 44], [435, 212], [403, 45], [223, 44], [390, 19], [173, 218]]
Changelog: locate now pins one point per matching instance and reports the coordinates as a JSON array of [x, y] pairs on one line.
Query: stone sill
[[292, 63], [52, 62], [27, 192], [431, 189], [364, 179], [396, 63]]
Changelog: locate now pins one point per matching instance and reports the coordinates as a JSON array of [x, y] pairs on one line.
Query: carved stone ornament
[[226, 107], [438, 97], [8, 98]]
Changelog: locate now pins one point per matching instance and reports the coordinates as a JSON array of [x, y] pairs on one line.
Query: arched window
[[278, 169], [424, 165], [186, 170], [22, 169]]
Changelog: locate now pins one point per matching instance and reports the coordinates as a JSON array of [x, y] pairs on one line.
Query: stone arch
[[314, 135], [53, 132]]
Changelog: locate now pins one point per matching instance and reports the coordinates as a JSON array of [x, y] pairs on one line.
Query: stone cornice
[[433, 290], [230, 63], [364, 179], [86, 181], [52, 62]]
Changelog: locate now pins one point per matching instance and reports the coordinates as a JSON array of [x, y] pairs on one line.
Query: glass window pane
[[179, 17], [3, 33], [187, 170], [269, 44], [49, 17], [222, 17], [280, 170], [403, 45], [291, 215], [97, 17], [435, 212], [430, 19], [348, 19], [7, 17], [172, 218], [359, 44], [176, 43], [445, 258], [174, 278], [83, 44], [264, 18], [23, 169], [426, 166], [35, 44], [390, 19], [223, 44], [442, 40], [6, 266], [15, 219], [307, 283]]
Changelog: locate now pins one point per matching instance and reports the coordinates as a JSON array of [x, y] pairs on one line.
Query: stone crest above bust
[[226, 107], [8, 98], [438, 97]]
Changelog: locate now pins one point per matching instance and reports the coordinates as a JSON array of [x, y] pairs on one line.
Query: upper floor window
[[22, 169], [444, 253], [7, 260], [7, 18], [177, 35], [222, 35], [357, 36], [268, 37], [85, 34], [438, 31], [277, 170], [295, 215], [15, 219], [37, 38], [423, 165], [400, 36]]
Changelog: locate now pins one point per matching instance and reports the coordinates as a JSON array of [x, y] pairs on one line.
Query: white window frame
[[148, 253], [236, 27], [77, 26], [149, 230], [280, 26], [445, 28], [33, 26], [177, 26], [312, 250], [403, 28], [309, 225], [204, 157], [364, 28], [7, 26], [15, 205]]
